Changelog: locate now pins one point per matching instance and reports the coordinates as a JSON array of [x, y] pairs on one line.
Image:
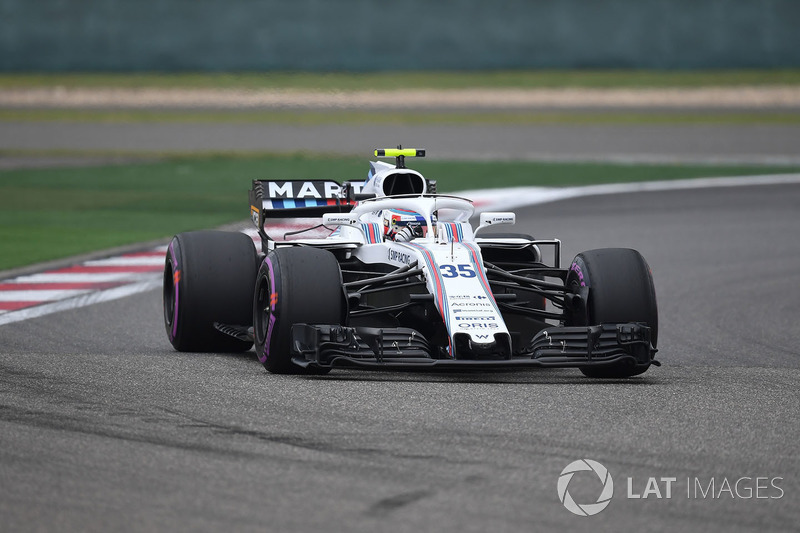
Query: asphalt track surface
[[643, 143], [104, 428]]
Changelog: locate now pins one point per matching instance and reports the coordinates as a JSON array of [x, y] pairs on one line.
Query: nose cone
[[494, 347]]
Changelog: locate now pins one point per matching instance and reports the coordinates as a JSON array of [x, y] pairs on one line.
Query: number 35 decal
[[454, 271]]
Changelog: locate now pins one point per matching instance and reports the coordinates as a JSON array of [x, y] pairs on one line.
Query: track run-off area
[[104, 427]]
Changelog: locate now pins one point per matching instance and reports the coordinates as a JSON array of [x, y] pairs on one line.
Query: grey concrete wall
[[59, 35]]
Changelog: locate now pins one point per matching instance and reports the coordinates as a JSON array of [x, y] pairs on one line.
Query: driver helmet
[[402, 224]]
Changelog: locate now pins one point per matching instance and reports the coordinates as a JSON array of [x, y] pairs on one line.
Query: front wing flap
[[327, 346]]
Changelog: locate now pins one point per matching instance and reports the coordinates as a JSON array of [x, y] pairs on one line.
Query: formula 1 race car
[[395, 277]]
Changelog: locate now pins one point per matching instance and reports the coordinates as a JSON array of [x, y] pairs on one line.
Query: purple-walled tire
[[294, 285], [208, 277], [620, 290]]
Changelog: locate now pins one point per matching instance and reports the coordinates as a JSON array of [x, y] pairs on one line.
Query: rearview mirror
[[338, 219], [496, 219]]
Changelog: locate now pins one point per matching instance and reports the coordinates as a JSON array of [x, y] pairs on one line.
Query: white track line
[[128, 261], [526, 196], [40, 295], [78, 277]]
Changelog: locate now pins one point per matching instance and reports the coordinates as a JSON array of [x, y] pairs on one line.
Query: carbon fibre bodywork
[[404, 348]]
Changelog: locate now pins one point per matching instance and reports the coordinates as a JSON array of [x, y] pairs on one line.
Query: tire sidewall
[[208, 278], [610, 288], [296, 285], [270, 341], [621, 290], [171, 289]]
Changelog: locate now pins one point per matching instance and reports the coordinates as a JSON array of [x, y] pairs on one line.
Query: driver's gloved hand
[[405, 234]]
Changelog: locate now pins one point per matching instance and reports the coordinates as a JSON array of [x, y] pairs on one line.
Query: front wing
[[323, 346]]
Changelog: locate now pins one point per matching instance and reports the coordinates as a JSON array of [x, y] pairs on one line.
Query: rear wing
[[299, 199]]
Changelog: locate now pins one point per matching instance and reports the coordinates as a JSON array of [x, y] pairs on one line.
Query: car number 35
[[454, 271]]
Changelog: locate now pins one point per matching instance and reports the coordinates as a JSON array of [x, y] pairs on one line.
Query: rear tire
[[208, 277], [294, 285], [621, 290]]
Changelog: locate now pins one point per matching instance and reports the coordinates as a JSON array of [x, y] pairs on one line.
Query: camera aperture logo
[[585, 509]]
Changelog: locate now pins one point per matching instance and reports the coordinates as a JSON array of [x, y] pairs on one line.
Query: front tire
[[620, 290], [294, 285], [208, 277]]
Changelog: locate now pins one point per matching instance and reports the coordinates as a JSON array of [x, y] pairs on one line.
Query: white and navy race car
[[388, 274]]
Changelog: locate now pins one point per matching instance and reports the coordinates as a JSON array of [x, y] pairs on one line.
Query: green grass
[[311, 118], [52, 213], [411, 80]]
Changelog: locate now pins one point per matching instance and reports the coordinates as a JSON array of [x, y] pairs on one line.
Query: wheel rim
[[261, 320]]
